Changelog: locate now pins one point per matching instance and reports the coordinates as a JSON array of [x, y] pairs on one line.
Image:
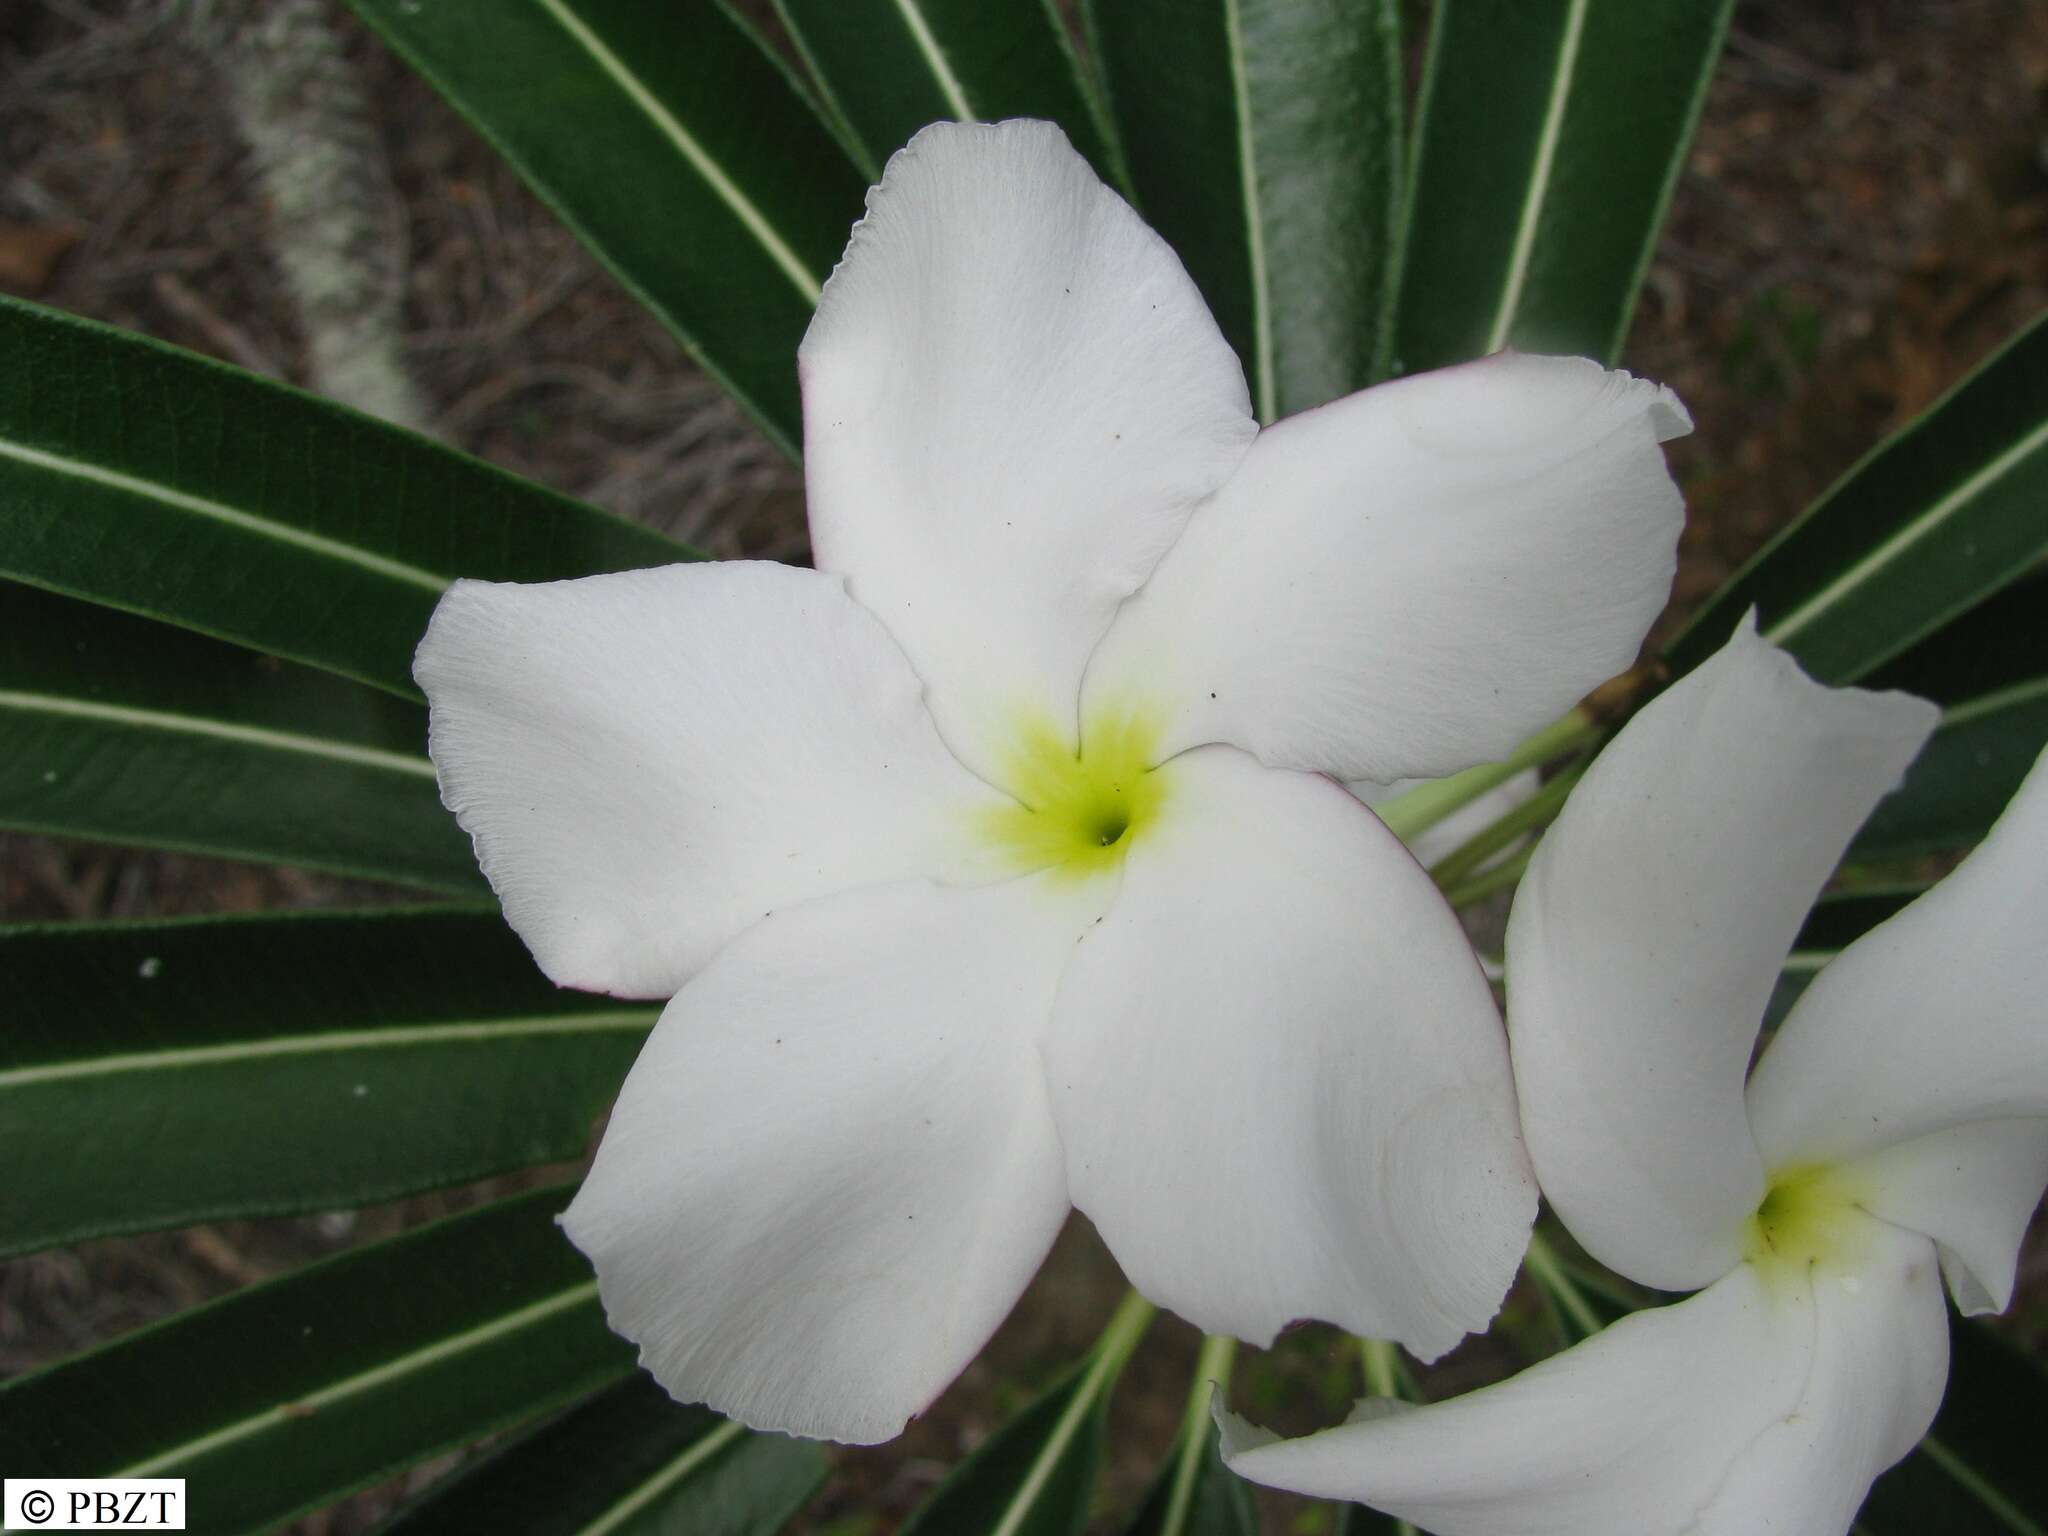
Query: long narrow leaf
[[1933, 521], [679, 151], [157, 1074], [1194, 1494], [151, 479], [890, 66], [1550, 135], [292, 1393], [1264, 141], [1035, 1476], [629, 1462], [128, 731], [1989, 671]]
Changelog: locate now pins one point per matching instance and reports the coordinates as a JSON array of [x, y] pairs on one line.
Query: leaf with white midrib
[[149, 479], [129, 731], [889, 67], [195, 1069], [1549, 137], [627, 1462], [1264, 143], [697, 172], [296, 1391], [1933, 521]]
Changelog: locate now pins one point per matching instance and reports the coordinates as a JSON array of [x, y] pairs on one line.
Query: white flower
[[996, 853], [1894, 1127]]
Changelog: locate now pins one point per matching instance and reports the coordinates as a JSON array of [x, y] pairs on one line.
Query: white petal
[[1932, 1019], [1628, 1434], [1279, 1075], [1973, 1189], [1649, 931], [1410, 580], [1750, 1408], [1434, 843], [1013, 395], [650, 761], [1880, 1361], [832, 1170]]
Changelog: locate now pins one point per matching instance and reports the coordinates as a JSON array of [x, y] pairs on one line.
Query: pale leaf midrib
[[1264, 383], [220, 730], [1522, 251], [693, 1457], [935, 60], [364, 1381], [332, 1042], [713, 175], [221, 512], [1887, 553]]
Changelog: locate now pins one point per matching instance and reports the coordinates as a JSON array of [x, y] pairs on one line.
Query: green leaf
[[1194, 1494], [291, 1393], [676, 147], [162, 1073], [629, 1462], [128, 731], [1264, 141], [151, 479], [1980, 1468], [1550, 135], [1989, 669], [1035, 1476], [888, 67], [1929, 524]]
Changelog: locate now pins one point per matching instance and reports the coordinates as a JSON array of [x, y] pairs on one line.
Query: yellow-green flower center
[[1809, 1217], [1078, 810]]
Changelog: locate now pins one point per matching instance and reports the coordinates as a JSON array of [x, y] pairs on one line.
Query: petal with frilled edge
[[833, 1169], [1412, 579], [1650, 929], [1013, 396], [1279, 1075], [649, 761]]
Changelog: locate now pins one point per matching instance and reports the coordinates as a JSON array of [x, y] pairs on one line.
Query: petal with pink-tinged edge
[[1649, 931], [1279, 1075], [1013, 396], [1930, 1020], [649, 761], [833, 1169], [1412, 579], [1438, 841]]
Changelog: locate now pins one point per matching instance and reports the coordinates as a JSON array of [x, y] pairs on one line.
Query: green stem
[[1538, 809], [1561, 1288], [1126, 1327], [1479, 886], [1427, 804], [1211, 1380], [1382, 1367]]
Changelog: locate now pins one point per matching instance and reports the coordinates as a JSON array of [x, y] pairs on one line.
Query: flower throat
[[1078, 811]]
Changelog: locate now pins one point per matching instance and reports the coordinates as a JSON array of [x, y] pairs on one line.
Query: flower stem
[[1560, 1287], [1482, 845], [1427, 804], [1483, 885], [1211, 1379]]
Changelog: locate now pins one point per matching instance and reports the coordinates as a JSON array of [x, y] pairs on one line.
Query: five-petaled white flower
[[1893, 1129], [992, 865]]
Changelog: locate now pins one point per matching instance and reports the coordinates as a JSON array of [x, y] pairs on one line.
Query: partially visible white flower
[[997, 854], [1897, 1126]]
